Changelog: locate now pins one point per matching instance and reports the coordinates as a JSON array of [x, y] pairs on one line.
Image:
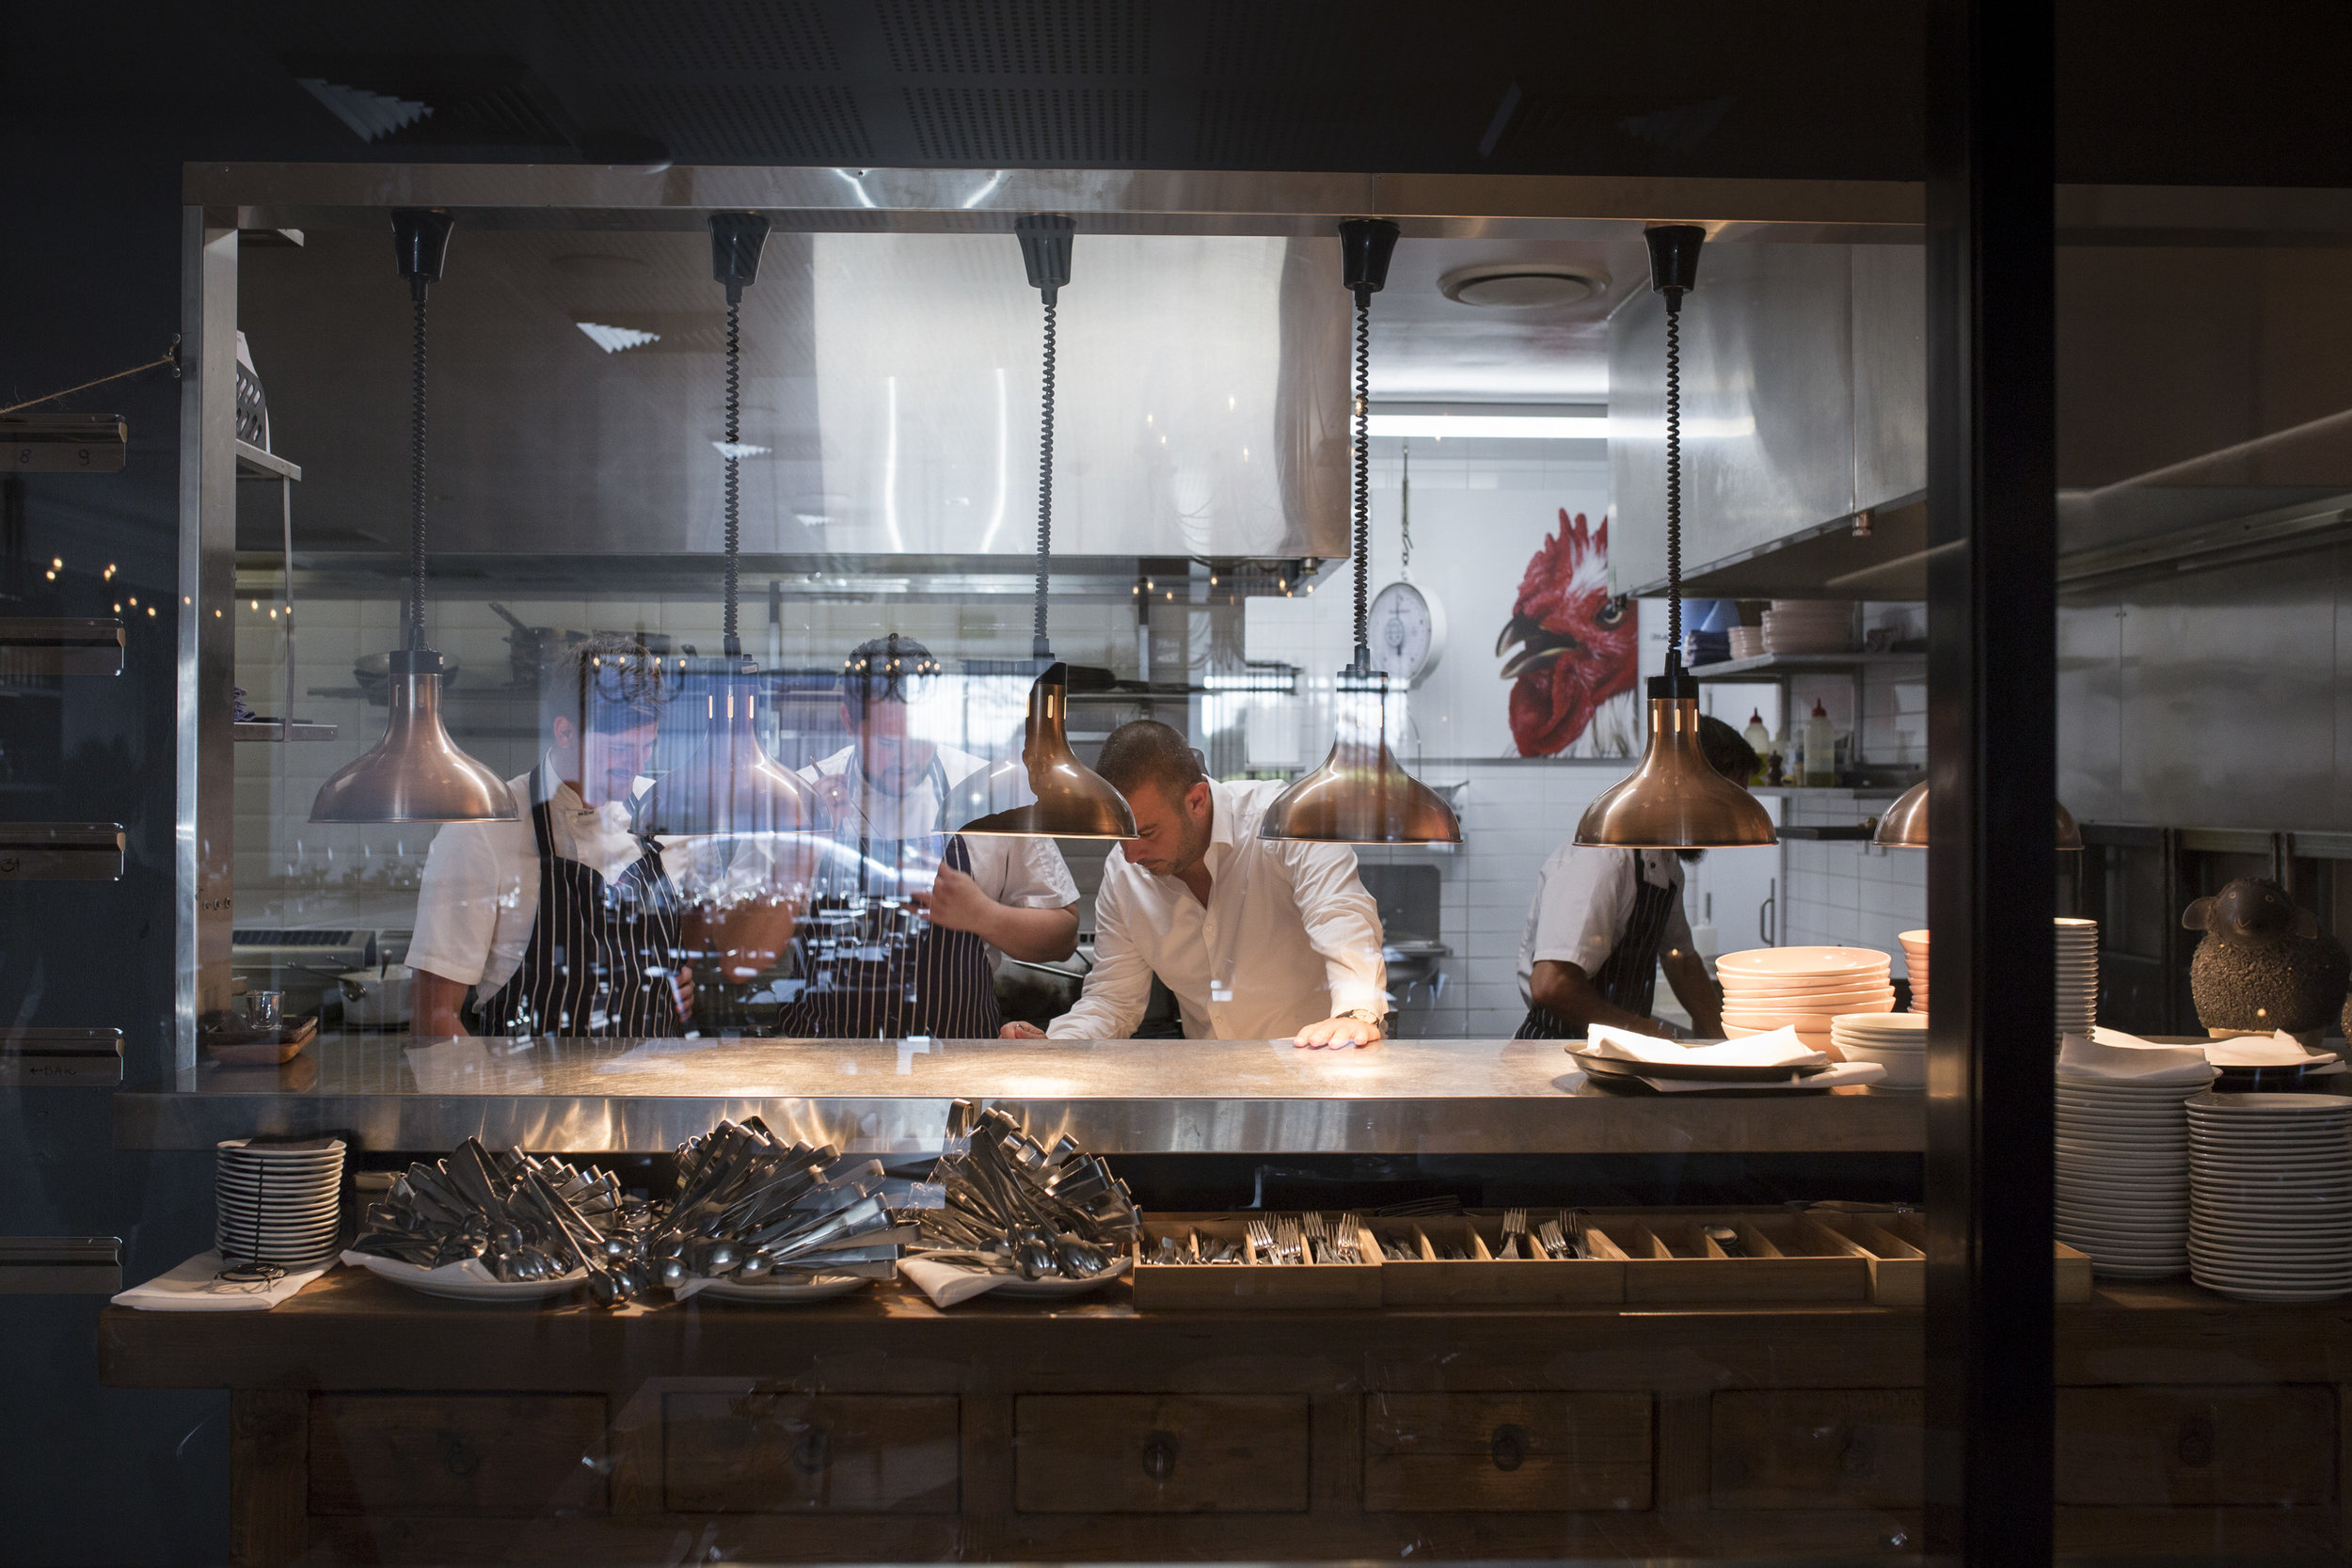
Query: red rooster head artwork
[[1577, 646]]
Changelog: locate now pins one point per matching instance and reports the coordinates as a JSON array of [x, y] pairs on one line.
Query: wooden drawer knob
[[460, 1458], [2194, 1449], [1507, 1447], [1159, 1454]]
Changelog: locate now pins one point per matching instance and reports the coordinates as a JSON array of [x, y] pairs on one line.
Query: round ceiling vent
[[1522, 285]]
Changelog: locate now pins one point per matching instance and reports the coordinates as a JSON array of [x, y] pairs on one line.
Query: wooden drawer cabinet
[[1489, 1453], [1818, 1448], [2197, 1448], [1160, 1453], [824, 1453], [479, 1455]]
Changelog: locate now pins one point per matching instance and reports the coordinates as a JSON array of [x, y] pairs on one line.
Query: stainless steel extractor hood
[[890, 396]]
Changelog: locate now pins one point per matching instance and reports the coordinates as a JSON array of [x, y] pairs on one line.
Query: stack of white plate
[[1808, 627], [1801, 987], [1915, 961], [2122, 1173], [2078, 976], [2271, 1194], [1896, 1041], [278, 1203], [1746, 642]]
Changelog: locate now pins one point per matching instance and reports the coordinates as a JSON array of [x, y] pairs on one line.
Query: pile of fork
[[1309, 1238], [1015, 1206], [522, 1216], [1549, 1239], [748, 1205]]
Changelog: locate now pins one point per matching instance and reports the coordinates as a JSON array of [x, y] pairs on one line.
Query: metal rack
[[257, 465]]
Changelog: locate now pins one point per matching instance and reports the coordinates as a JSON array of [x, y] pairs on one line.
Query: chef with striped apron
[[564, 919], [1606, 919], [908, 919]]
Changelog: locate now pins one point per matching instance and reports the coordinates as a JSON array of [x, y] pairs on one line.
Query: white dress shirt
[[1583, 897], [480, 896], [1024, 873], [1289, 935]]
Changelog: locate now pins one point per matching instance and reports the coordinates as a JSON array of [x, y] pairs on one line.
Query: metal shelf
[[1857, 792], [268, 729], [1842, 558], [1773, 666], [253, 463]]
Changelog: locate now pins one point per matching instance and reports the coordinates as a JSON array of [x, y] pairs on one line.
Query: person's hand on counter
[[1337, 1034], [1021, 1032]]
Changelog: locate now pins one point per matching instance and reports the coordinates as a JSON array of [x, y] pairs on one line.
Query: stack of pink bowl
[[1801, 987], [1916, 960]]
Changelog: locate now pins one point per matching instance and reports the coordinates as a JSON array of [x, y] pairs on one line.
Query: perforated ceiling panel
[[1256, 40], [749, 123], [1028, 125], [699, 35], [1017, 38]]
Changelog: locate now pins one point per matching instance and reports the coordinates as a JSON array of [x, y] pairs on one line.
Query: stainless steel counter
[[1117, 1097]]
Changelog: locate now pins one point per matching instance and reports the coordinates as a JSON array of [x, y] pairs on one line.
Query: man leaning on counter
[[1259, 939]]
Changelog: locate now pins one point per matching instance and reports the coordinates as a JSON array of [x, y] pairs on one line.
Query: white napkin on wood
[[194, 1286], [1777, 1048], [949, 1282], [2116, 1057]]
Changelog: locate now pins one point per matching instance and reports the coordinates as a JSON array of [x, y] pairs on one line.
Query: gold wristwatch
[[1365, 1015]]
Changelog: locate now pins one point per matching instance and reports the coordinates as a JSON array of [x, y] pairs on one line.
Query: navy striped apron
[[601, 954], [871, 975], [1629, 977]]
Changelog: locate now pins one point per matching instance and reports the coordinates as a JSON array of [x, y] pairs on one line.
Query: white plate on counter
[[775, 1291], [452, 1282]]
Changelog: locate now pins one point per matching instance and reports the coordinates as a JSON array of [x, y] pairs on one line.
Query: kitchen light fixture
[[1067, 799], [1675, 800], [416, 773], [1904, 825], [718, 779], [1360, 794]]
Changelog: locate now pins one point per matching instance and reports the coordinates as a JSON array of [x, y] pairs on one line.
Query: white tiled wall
[[1844, 893]]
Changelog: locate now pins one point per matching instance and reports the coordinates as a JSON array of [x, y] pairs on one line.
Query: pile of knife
[[1017, 1206], [748, 1205], [523, 1216]]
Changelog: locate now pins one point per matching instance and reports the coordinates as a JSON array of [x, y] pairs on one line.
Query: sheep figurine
[[2264, 964]]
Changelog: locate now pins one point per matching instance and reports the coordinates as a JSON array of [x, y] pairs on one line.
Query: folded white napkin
[[1777, 1048], [948, 1281], [1837, 1075], [194, 1286], [2280, 1050], [2116, 1057]]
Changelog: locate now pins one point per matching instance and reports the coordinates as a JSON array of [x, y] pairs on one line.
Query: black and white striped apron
[[601, 955], [884, 980], [1629, 977]]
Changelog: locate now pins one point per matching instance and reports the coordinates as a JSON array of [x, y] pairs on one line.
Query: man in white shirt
[[1605, 920], [892, 792], [1259, 939], [566, 920]]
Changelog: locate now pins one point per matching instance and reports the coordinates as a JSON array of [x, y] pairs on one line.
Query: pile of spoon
[[522, 1217], [1020, 1207], [748, 1205]]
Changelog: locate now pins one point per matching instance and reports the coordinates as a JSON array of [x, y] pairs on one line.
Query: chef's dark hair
[[887, 668], [603, 683], [1144, 751], [1726, 749]]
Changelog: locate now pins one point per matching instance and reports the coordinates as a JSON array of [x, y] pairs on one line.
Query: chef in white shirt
[[1606, 919], [566, 920], [982, 899], [1259, 939]]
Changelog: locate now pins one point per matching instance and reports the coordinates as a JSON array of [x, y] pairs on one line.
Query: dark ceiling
[[2150, 91]]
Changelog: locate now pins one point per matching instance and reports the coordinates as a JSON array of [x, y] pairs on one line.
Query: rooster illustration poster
[[1573, 670]]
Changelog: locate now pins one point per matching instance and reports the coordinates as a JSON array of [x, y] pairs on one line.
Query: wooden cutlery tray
[[1256, 1284], [1484, 1279], [1893, 1246], [1782, 1257]]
